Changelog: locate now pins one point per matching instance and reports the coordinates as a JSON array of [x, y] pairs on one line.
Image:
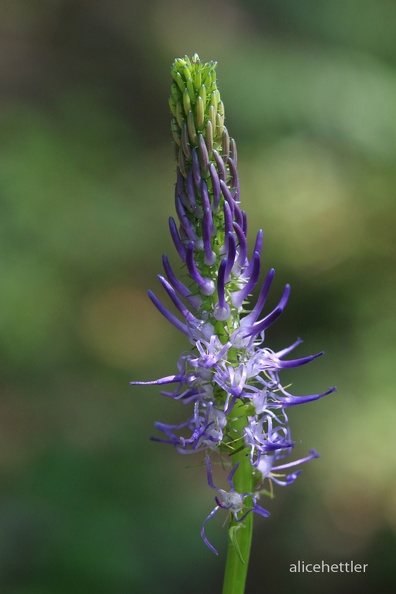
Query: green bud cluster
[[197, 109], [206, 159]]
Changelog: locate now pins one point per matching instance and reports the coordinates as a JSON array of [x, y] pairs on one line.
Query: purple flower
[[230, 500], [262, 438], [267, 468], [230, 379]]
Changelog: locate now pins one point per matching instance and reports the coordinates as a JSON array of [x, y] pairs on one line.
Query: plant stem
[[236, 571]]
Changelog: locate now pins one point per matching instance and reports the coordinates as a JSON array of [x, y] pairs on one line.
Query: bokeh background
[[88, 503]]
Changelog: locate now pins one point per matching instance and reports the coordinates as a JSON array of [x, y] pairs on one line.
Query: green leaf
[[232, 534]]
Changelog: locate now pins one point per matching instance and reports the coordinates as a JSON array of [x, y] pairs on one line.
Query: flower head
[[229, 378]]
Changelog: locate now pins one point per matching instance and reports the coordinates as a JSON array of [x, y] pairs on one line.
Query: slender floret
[[231, 500], [229, 380]]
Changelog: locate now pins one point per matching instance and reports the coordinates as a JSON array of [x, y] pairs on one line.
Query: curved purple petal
[[233, 151], [245, 222], [287, 350], [260, 510], [167, 314], [290, 400], [210, 516], [230, 477], [177, 301], [196, 169], [228, 226], [220, 166], [203, 153], [234, 179], [209, 475], [185, 221], [210, 256], [257, 309], [207, 224], [258, 245], [190, 190], [227, 196], [176, 239], [241, 260], [194, 300], [206, 285], [259, 327], [222, 309], [238, 214], [215, 187], [170, 379], [298, 362], [230, 256], [313, 454]]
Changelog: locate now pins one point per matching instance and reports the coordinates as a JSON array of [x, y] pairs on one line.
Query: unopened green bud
[[182, 163], [175, 131], [180, 82], [202, 92], [186, 101], [200, 114], [219, 125], [225, 141], [172, 105], [198, 80], [214, 100], [186, 72], [174, 72], [213, 72], [175, 92], [184, 141], [212, 117], [191, 128], [191, 90], [180, 63], [179, 114], [209, 137], [233, 151]]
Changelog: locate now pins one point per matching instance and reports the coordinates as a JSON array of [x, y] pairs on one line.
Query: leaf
[[232, 534]]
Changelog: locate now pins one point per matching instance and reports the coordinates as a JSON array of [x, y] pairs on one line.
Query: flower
[[229, 377], [231, 500], [266, 468]]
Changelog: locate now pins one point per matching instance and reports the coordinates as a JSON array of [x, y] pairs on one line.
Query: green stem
[[236, 571]]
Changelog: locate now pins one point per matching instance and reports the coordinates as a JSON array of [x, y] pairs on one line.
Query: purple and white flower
[[229, 373]]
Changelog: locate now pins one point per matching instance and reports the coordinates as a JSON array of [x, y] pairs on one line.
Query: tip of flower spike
[[195, 101]]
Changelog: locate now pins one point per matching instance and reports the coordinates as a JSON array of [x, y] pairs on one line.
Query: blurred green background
[[88, 503]]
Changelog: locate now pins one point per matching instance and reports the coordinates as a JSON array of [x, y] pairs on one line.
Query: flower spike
[[229, 379]]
